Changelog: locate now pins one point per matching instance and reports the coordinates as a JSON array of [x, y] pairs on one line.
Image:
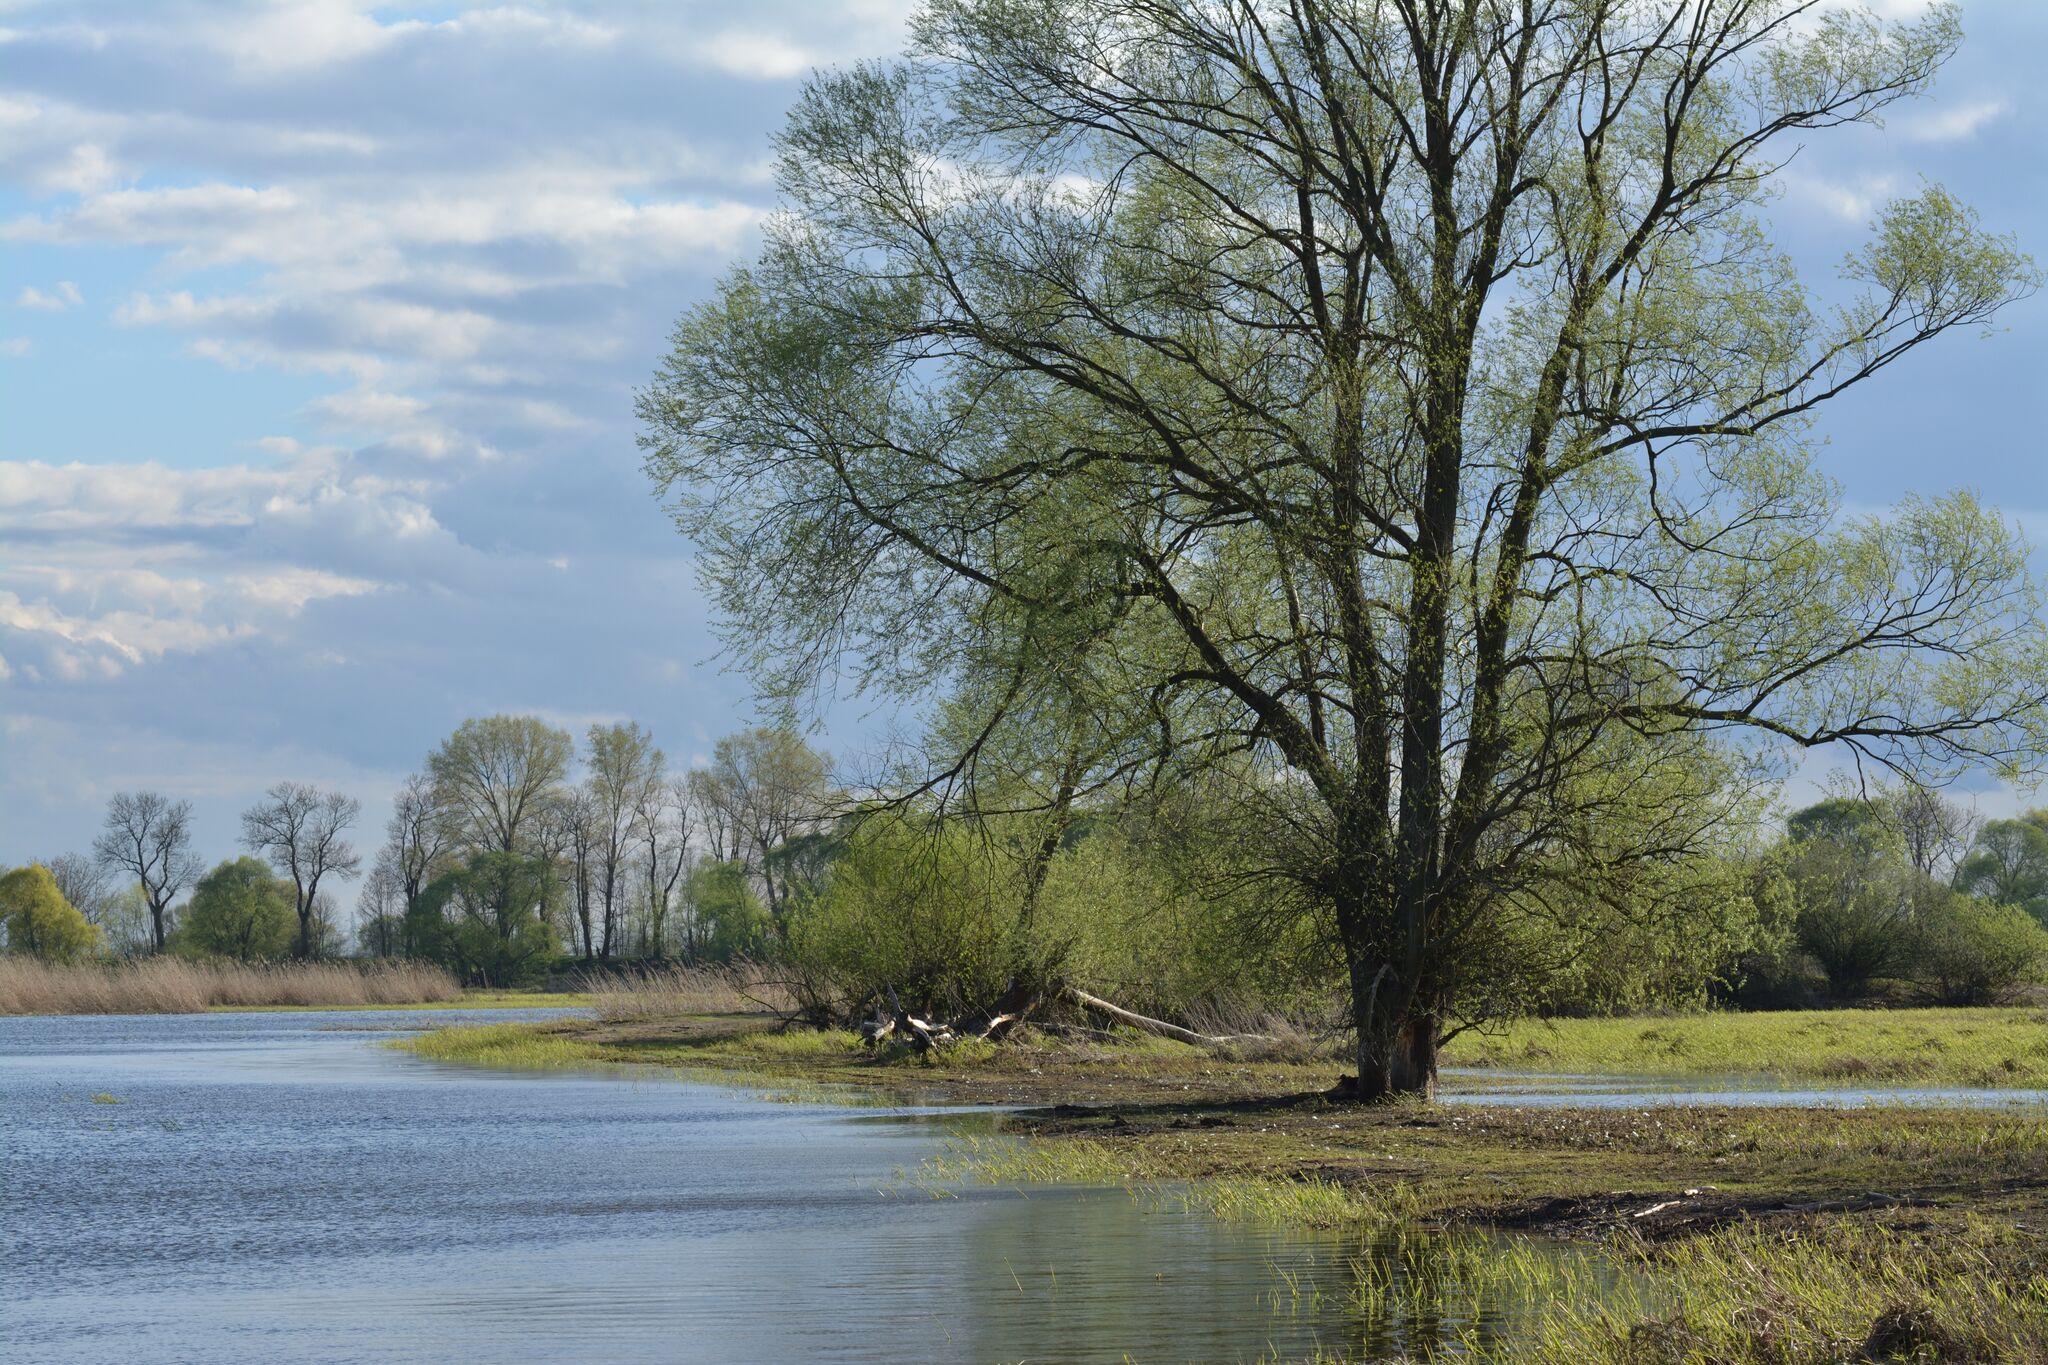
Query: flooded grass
[[523, 1046], [1992, 1047], [1703, 1235]]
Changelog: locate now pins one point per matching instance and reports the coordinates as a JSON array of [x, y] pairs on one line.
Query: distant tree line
[[506, 853], [511, 855]]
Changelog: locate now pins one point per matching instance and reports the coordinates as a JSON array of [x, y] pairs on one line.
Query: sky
[[320, 324]]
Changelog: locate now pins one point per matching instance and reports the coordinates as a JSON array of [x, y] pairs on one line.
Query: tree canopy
[[240, 909], [39, 921], [1402, 405]]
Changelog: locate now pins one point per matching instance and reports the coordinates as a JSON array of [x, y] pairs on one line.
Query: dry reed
[[665, 992], [168, 985]]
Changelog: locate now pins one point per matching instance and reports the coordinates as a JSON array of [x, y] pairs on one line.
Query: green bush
[[39, 921], [1975, 952], [732, 924], [239, 910], [931, 913]]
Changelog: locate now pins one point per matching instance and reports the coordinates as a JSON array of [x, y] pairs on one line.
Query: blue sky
[[320, 322]]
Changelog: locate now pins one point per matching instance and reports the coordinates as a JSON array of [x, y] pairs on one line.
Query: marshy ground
[[1782, 1234]]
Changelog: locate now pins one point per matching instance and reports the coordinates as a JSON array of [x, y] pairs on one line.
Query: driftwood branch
[[1160, 1026]]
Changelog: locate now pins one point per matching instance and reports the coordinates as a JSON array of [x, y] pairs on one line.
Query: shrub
[[40, 922], [1976, 952], [928, 913], [239, 910]]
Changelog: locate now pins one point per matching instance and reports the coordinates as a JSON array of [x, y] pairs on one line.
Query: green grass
[[511, 1045], [1966, 1290], [2000, 1047]]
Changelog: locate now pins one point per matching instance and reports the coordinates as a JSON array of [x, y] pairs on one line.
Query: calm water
[[278, 1187]]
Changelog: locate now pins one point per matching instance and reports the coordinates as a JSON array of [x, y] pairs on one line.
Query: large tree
[[303, 831], [494, 778], [1406, 395], [148, 837]]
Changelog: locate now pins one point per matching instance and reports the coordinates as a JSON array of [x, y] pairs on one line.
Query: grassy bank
[[1962, 1047], [167, 985]]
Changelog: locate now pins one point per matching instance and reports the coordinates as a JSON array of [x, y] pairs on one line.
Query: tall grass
[[168, 985], [666, 992]]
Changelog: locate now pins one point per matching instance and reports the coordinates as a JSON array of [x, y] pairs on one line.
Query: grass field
[[1962, 1047]]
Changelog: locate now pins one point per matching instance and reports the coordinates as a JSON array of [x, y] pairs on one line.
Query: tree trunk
[[1396, 1040]]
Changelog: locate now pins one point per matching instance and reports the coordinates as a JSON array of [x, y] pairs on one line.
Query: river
[[281, 1187]]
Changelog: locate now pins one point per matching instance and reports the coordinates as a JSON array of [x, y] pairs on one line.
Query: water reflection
[[279, 1188]]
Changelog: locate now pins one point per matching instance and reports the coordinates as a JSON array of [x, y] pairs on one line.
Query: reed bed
[[168, 985], [666, 992]]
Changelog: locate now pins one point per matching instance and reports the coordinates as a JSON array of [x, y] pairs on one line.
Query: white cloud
[[15, 347], [65, 295], [1854, 201], [759, 56], [1954, 124]]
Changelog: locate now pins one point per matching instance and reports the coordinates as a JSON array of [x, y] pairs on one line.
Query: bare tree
[[83, 882], [416, 838], [148, 837], [381, 907], [767, 786], [1935, 831], [661, 824], [625, 769], [300, 829], [578, 837]]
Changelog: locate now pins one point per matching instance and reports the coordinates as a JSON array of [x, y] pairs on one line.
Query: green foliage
[[1162, 928], [240, 910], [486, 921], [733, 924], [2009, 864], [1974, 952], [1856, 913], [931, 913], [1450, 486], [39, 922]]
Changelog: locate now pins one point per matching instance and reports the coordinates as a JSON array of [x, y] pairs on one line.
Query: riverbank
[[1828, 1227], [1143, 1108]]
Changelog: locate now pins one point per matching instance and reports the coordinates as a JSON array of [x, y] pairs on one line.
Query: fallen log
[[1160, 1026]]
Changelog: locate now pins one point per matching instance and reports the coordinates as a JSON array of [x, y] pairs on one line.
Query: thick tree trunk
[[1396, 1039], [1397, 1057]]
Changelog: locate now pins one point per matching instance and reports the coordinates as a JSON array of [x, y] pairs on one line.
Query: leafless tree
[[83, 882], [148, 837], [662, 827], [301, 829], [417, 838], [625, 769], [1936, 831]]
